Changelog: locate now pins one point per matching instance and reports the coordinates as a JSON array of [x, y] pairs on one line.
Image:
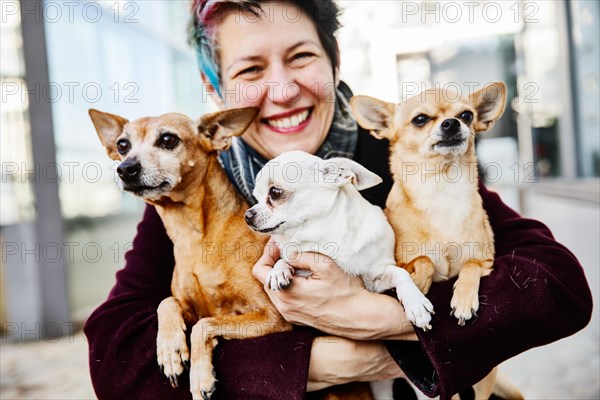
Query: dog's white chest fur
[[446, 204], [449, 209]]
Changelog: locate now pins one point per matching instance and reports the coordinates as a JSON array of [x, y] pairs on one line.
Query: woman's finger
[[260, 272], [271, 254], [315, 262]]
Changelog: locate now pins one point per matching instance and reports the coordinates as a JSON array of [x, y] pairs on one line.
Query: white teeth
[[291, 122]]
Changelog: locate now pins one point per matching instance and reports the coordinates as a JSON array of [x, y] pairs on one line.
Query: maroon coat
[[536, 294]]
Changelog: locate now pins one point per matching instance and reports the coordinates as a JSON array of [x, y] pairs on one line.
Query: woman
[[283, 58]]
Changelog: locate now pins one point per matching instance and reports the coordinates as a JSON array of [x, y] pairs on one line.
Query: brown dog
[[434, 206], [171, 162]]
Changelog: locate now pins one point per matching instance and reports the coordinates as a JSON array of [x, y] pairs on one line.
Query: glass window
[[586, 59], [18, 172], [132, 61]]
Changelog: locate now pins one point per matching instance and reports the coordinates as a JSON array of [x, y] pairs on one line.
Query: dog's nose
[[129, 169], [249, 216], [450, 125]]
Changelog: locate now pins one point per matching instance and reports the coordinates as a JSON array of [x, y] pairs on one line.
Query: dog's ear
[[109, 127], [374, 115], [489, 104], [342, 171], [221, 126]]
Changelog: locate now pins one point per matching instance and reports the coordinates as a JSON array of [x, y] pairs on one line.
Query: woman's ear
[[212, 91]]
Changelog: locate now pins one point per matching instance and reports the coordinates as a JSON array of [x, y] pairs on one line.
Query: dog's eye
[[123, 146], [168, 141], [420, 120], [466, 116], [275, 193]]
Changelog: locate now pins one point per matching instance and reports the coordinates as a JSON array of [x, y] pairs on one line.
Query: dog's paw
[[464, 304], [202, 382], [280, 277], [172, 354], [418, 309]]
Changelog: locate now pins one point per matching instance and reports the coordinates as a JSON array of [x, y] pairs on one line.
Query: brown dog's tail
[[504, 388]]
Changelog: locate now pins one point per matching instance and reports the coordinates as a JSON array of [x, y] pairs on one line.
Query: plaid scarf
[[242, 163]]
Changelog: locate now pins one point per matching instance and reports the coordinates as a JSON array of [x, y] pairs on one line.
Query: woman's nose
[[282, 86]]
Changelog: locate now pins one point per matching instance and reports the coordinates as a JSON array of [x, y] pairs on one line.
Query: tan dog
[[171, 162], [434, 201], [434, 205]]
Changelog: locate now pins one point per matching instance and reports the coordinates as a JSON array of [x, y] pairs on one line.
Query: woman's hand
[[333, 301], [335, 361]]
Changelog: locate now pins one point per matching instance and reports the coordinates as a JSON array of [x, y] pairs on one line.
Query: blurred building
[[547, 53], [65, 225]]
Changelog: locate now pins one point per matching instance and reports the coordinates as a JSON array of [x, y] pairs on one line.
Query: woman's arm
[[339, 304], [536, 294], [335, 361], [122, 332], [334, 302]]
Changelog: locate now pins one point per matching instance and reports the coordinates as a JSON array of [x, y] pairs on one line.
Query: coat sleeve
[[122, 332], [536, 294]]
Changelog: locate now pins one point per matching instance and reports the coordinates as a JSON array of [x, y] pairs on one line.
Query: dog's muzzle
[[450, 129], [451, 134], [256, 221], [129, 170], [450, 126], [249, 216]]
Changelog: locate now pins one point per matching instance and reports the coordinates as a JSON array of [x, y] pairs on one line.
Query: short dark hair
[[324, 14]]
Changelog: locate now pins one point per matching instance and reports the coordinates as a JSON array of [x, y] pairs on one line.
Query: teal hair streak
[[205, 57]]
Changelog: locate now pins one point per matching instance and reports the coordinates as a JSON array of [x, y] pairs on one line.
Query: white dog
[[312, 205]]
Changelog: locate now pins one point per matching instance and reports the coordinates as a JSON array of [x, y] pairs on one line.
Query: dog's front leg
[[417, 307], [171, 345], [204, 339], [421, 270], [465, 300]]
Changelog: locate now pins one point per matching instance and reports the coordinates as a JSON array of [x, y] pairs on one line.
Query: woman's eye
[[123, 146], [466, 116], [168, 141], [248, 72], [303, 55], [302, 58], [420, 120], [275, 193]]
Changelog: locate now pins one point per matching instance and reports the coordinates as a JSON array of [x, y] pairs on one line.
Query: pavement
[[46, 370], [567, 369]]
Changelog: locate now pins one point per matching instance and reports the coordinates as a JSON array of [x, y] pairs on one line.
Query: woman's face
[[276, 62]]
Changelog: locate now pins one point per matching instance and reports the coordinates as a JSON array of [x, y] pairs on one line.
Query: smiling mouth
[[268, 230], [289, 122]]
